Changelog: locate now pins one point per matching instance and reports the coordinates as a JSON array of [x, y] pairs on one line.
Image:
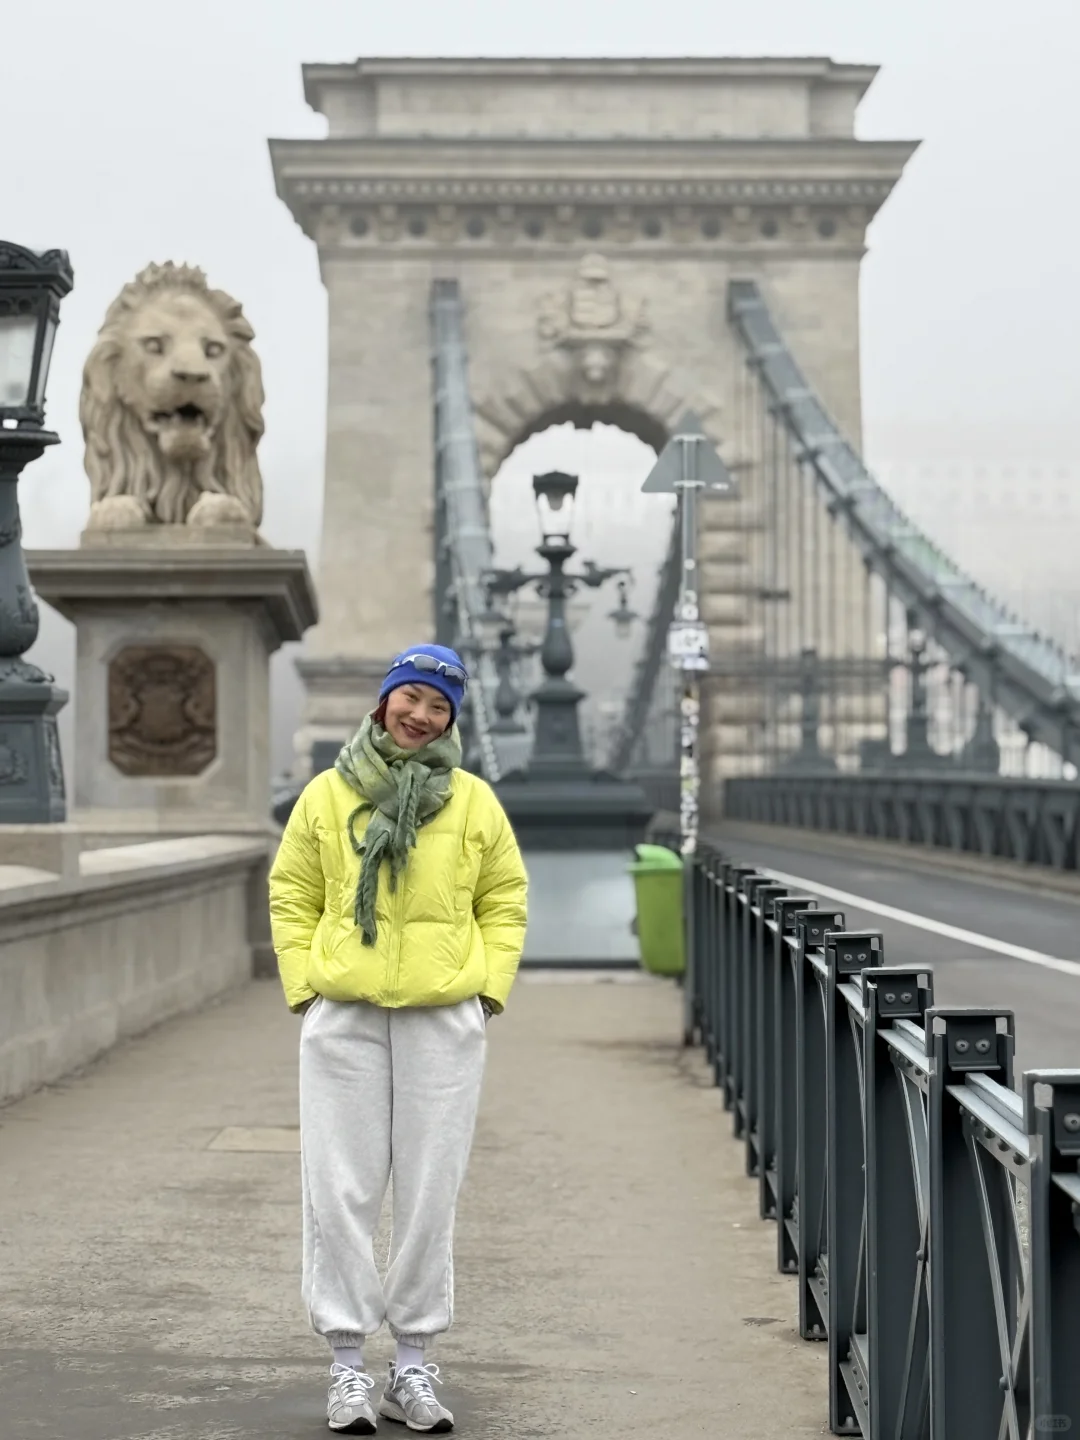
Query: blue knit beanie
[[404, 671]]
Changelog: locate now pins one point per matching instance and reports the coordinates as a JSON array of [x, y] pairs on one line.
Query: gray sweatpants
[[381, 1091]]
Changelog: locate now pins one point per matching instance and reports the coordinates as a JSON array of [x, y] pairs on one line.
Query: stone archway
[[613, 525], [594, 365]]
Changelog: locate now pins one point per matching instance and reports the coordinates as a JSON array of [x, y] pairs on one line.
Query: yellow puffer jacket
[[453, 929]]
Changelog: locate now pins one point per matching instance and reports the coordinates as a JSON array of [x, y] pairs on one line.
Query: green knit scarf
[[404, 788]]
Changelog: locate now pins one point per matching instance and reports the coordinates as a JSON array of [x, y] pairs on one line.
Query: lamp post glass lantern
[[555, 495], [31, 288], [31, 773]]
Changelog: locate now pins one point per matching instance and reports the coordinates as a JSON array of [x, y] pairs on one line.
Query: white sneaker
[[410, 1400], [348, 1401]]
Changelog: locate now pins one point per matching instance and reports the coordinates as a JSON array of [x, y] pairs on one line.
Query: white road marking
[[924, 922]]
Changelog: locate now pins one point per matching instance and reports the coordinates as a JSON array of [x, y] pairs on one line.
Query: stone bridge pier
[[593, 213]]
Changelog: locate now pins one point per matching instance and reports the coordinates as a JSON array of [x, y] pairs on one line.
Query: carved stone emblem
[[162, 710], [591, 323]]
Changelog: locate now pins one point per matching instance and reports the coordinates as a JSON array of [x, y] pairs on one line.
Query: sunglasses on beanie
[[428, 665]]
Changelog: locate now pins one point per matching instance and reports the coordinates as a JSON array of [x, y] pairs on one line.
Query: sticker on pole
[[688, 646]]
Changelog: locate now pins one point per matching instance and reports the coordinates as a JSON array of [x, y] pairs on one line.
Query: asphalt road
[[1045, 1001]]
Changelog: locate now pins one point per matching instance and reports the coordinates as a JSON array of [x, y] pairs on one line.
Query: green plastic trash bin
[[658, 883]]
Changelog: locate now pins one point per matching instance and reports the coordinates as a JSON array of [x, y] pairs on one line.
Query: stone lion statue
[[171, 406]]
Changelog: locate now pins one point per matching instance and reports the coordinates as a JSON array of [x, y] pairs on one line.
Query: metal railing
[[928, 1209], [463, 549], [1033, 822]]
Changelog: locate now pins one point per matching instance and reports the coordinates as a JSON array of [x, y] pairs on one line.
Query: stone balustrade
[[118, 941]]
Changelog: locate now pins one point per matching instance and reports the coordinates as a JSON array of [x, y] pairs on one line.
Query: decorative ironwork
[[13, 763], [902, 1167], [162, 710], [57, 788], [18, 257]]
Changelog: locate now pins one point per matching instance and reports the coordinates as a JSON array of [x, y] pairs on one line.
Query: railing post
[[707, 867], [897, 1205], [965, 1358], [789, 913], [812, 1131], [693, 960], [740, 903], [761, 1106], [718, 921], [755, 886], [847, 955], [722, 1056], [708, 860], [736, 874], [1052, 1114]]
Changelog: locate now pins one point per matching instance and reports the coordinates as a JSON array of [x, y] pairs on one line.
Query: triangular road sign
[[703, 464]]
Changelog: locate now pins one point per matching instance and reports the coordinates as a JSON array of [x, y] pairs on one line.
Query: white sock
[[350, 1355], [408, 1355]]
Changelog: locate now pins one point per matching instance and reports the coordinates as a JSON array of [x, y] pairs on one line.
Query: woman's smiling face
[[416, 714]]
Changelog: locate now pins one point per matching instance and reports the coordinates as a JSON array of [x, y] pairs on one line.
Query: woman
[[398, 907]]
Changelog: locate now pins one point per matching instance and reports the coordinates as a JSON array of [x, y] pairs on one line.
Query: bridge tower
[[593, 213]]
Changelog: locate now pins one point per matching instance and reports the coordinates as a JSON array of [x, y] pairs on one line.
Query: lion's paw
[[214, 509], [117, 512]]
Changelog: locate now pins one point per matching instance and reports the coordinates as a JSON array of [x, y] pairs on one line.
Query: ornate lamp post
[[810, 758], [31, 774], [982, 753], [558, 749], [918, 753], [558, 801]]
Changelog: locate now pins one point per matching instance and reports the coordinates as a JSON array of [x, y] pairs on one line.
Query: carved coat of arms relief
[[162, 710], [592, 324]]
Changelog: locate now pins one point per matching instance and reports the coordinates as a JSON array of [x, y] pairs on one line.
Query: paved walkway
[[613, 1277]]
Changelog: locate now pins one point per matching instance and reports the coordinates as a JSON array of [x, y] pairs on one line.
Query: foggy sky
[[136, 131]]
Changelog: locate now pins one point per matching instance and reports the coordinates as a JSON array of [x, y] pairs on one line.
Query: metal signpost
[[687, 465]]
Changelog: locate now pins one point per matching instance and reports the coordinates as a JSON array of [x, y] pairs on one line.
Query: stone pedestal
[[340, 690], [175, 626]]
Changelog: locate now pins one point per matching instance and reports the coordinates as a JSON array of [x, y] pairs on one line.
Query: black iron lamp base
[[574, 810], [31, 773]]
